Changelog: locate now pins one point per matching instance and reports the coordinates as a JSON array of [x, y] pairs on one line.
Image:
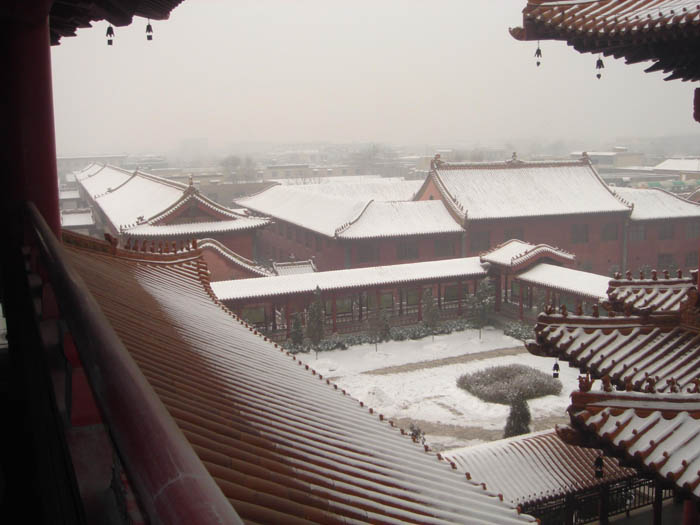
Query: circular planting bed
[[503, 384]]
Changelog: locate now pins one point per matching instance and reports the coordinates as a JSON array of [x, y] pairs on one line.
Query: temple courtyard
[[414, 381]]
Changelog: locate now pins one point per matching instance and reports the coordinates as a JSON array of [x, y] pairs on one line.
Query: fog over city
[[233, 74]]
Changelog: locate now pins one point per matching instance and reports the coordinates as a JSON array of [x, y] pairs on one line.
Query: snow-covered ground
[[430, 394], [362, 358]]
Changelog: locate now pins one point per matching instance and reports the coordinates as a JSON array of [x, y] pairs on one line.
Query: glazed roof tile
[[294, 268], [645, 296], [194, 229], [535, 468], [687, 165], [282, 443], [399, 219], [514, 253], [464, 268], [232, 257], [369, 188], [654, 204], [524, 189], [585, 284], [658, 432], [627, 349]]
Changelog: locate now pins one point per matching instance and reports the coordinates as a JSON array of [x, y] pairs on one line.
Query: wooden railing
[[170, 481]]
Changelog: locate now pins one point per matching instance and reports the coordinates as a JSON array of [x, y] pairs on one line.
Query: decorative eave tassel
[[110, 34], [599, 65], [149, 30], [538, 54]]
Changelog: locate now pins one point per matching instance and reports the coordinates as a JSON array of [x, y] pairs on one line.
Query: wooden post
[[530, 290], [547, 297], [569, 509], [459, 297], [439, 294], [505, 288], [378, 298], [658, 503], [691, 516], [520, 302], [420, 303], [359, 301], [498, 292], [334, 311], [287, 317], [604, 507], [274, 317], [401, 294]]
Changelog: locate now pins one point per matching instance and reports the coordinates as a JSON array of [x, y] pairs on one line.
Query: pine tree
[[314, 326], [518, 419], [431, 313], [296, 334], [481, 303]]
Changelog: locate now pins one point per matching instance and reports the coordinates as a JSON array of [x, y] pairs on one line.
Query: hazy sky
[[388, 71]]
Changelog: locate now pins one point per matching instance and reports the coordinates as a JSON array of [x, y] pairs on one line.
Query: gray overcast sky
[[396, 71]]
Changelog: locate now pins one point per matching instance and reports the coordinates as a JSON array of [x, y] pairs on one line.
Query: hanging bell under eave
[[555, 370], [109, 35], [149, 31], [538, 54], [598, 466], [599, 65]]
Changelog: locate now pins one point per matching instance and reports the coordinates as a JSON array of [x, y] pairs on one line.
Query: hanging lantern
[[599, 65], [538, 54], [555, 370], [149, 30], [110, 35], [598, 464]]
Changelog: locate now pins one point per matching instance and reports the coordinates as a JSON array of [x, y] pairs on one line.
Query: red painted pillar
[[498, 293], [28, 140], [378, 299], [287, 318], [520, 305], [459, 297], [334, 311], [420, 303], [691, 516]]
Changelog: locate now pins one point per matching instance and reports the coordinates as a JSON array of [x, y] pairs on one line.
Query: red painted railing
[[169, 479]]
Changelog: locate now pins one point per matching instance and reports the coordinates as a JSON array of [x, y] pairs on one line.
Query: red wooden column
[[378, 297], [691, 516], [28, 142], [459, 297], [420, 303], [658, 504], [287, 317], [439, 296], [520, 301], [334, 310], [498, 293]]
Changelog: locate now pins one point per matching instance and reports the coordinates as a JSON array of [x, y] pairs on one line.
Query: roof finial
[[191, 181], [514, 157]]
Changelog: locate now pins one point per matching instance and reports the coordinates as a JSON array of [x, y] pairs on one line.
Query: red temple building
[[136, 207]]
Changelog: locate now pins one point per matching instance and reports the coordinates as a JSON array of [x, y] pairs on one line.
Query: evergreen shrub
[[502, 384]]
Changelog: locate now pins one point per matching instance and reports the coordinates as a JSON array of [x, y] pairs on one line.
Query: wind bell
[[599, 65], [149, 30], [110, 34], [538, 54], [555, 370]]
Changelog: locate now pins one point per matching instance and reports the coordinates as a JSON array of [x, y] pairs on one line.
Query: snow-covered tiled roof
[[628, 349], [233, 258], [294, 267], [314, 211], [514, 252], [280, 441], [657, 295], [525, 189], [584, 284], [654, 204], [68, 194], [77, 218], [378, 189], [535, 468], [194, 229], [659, 432], [468, 267], [396, 219], [684, 165], [97, 180], [138, 199]]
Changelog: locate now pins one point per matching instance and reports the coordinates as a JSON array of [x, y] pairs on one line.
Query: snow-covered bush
[[502, 384], [518, 330], [518, 421]]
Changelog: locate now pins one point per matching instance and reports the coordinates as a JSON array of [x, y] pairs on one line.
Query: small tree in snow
[[431, 313], [378, 330], [518, 419], [481, 303], [314, 325], [296, 334]]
